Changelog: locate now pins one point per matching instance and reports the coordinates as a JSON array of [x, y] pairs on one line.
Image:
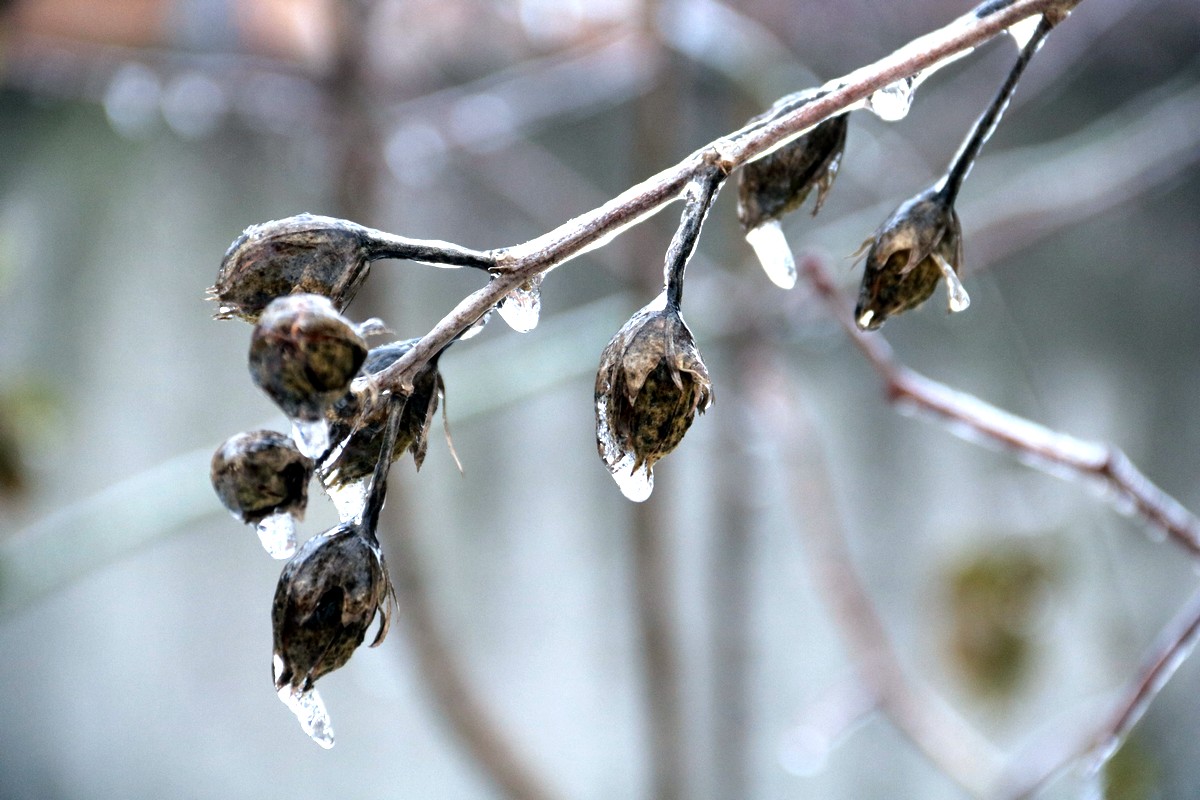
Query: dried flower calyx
[[260, 473], [327, 597], [779, 183], [358, 420], [301, 254], [304, 354], [917, 245], [650, 384]]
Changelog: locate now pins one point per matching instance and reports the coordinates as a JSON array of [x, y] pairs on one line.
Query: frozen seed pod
[[303, 355], [327, 597], [262, 478], [358, 420], [304, 254], [920, 243], [779, 183], [650, 384]]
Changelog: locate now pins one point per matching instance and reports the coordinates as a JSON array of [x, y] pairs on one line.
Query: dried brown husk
[[328, 595], [259, 473], [304, 354], [304, 254], [781, 181], [649, 387], [901, 272]]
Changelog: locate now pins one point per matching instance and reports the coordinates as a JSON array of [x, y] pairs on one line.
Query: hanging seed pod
[[302, 254], [327, 597], [304, 354], [650, 384], [919, 243], [779, 183], [260, 473], [359, 418]]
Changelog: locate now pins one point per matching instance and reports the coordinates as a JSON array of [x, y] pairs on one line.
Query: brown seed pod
[[650, 384], [781, 181], [260, 473], [360, 417], [918, 244], [304, 354], [327, 597], [301, 254]]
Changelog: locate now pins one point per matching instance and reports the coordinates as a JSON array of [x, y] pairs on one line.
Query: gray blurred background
[[593, 649]]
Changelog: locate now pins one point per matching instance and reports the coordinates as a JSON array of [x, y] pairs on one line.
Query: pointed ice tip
[[310, 711], [957, 298], [278, 535], [311, 437], [774, 253], [635, 484]]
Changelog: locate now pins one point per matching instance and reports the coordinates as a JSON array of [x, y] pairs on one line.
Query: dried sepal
[[917, 245], [327, 597], [260, 473], [304, 354], [358, 419], [304, 254], [649, 387], [781, 181]]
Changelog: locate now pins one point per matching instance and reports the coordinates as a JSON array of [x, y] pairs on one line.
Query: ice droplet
[[521, 307], [350, 499], [771, 247], [309, 709], [892, 102], [957, 298], [635, 484], [278, 534], [864, 319], [311, 436], [475, 328], [1022, 32]]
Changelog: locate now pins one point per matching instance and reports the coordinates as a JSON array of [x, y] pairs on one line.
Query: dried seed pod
[[918, 244], [327, 597], [304, 354], [301, 254], [260, 473], [650, 384], [359, 418], [781, 181]]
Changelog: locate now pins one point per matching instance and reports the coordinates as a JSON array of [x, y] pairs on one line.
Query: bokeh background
[[554, 640]]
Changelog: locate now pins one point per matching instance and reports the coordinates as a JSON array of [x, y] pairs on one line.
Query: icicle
[[521, 307], [309, 709], [892, 102], [350, 499], [957, 298], [1022, 31], [311, 436], [635, 484], [277, 533], [864, 319], [771, 247]]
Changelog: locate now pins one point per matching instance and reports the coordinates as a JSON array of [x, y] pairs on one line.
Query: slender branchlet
[[700, 197]]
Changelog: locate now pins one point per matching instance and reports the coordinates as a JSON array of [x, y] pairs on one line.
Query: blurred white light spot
[[416, 154], [193, 105], [131, 101], [482, 122], [550, 21]]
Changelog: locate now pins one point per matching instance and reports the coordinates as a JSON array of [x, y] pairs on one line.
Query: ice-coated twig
[[700, 197], [985, 126], [519, 263], [1122, 484], [1051, 755], [927, 720]]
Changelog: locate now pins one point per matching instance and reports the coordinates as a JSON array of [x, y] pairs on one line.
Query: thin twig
[[595, 228], [1056, 453]]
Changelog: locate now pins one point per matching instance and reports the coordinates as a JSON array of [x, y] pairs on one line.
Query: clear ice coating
[[278, 534], [350, 499], [311, 436], [1022, 32], [771, 247], [957, 298], [309, 709], [521, 307], [892, 102], [637, 484]]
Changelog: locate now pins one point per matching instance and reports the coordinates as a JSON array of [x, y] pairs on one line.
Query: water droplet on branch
[[774, 253], [521, 307], [891, 103], [277, 533]]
